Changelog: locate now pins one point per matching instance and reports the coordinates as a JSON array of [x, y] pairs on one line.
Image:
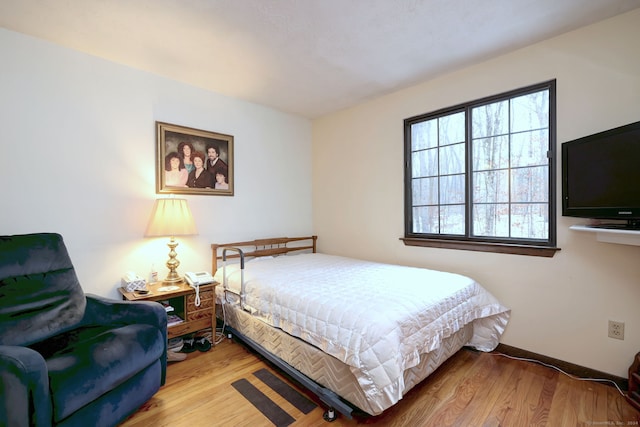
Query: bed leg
[[329, 415]]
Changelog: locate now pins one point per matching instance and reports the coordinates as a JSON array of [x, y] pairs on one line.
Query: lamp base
[[169, 280], [172, 263]]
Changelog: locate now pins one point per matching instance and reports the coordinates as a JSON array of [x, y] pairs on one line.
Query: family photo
[[193, 161]]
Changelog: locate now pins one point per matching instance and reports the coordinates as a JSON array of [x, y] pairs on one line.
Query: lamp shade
[[171, 217]]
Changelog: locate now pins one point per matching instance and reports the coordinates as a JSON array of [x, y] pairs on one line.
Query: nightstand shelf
[[183, 300]]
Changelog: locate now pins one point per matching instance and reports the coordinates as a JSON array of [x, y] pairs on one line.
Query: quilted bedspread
[[377, 318]]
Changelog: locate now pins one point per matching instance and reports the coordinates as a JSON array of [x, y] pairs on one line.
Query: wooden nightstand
[[183, 300]]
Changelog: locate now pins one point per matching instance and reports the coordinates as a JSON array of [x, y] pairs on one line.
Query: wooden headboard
[[262, 247]]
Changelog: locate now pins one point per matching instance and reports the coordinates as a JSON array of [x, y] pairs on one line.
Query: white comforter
[[377, 318]]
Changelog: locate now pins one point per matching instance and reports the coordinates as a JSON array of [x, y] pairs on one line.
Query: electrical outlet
[[616, 330]]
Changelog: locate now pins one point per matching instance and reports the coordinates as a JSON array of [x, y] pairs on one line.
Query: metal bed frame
[[271, 247]]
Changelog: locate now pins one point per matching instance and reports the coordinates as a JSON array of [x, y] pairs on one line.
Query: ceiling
[[307, 57]]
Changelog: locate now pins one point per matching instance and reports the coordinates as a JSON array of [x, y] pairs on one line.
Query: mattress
[[379, 320], [331, 373]]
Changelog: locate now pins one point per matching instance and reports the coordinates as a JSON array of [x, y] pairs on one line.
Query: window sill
[[503, 248]]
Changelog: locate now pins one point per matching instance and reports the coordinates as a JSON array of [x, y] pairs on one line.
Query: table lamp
[[171, 218]]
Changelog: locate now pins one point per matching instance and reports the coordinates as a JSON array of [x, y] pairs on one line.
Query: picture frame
[[178, 154]]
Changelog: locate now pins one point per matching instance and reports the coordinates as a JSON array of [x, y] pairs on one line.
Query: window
[[481, 175]]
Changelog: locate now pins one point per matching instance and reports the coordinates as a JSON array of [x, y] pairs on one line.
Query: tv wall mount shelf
[[622, 234]]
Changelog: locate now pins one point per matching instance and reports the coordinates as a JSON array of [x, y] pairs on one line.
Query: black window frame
[[535, 247]]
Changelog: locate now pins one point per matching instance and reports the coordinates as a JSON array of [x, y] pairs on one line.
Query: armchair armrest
[[24, 388], [107, 311]]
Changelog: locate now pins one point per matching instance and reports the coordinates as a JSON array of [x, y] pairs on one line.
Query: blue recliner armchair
[[68, 358]]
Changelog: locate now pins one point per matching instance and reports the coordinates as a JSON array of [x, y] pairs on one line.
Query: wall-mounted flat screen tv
[[601, 175]]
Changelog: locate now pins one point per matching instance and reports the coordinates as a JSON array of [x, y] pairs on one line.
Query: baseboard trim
[[570, 368]]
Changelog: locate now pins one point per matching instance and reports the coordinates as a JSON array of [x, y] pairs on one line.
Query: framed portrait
[[193, 161]]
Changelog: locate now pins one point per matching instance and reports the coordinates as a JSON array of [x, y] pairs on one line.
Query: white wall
[[77, 144], [560, 305]]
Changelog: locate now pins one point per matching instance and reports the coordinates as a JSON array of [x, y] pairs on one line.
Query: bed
[[358, 334]]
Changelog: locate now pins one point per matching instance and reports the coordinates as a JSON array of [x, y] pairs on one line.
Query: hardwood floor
[[470, 389]]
